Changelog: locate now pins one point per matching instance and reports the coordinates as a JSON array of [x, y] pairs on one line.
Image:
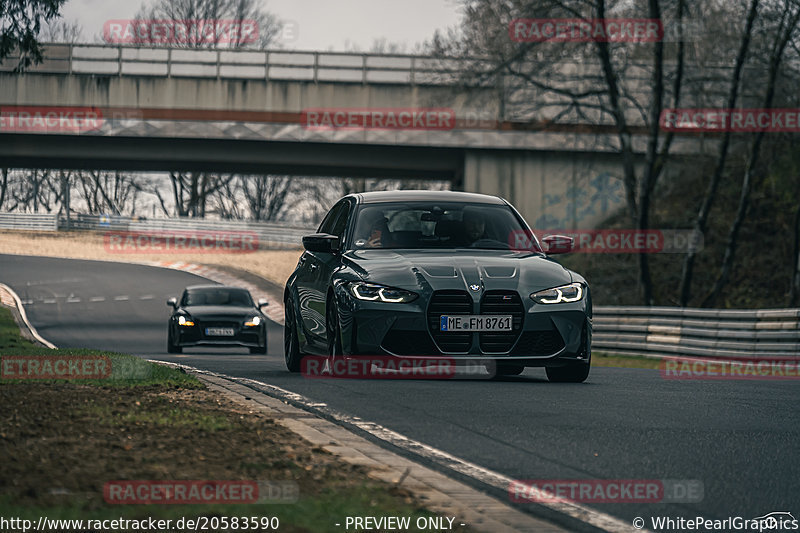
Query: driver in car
[[474, 226]]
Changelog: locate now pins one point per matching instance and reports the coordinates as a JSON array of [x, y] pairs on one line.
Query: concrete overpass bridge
[[247, 111]]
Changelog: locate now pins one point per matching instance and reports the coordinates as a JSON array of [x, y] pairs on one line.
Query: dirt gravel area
[[62, 442], [273, 265]]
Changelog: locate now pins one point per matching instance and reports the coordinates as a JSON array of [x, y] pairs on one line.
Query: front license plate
[[476, 323], [219, 332]]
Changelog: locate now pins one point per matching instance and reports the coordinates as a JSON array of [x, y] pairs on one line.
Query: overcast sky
[[320, 24]]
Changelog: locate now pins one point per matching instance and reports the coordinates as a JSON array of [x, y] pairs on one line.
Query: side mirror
[[321, 242], [558, 244], [173, 302], [262, 302]]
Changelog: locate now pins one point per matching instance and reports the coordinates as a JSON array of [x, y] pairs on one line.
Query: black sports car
[[216, 315], [414, 274]]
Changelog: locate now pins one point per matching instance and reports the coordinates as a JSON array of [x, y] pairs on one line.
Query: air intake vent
[[501, 303]]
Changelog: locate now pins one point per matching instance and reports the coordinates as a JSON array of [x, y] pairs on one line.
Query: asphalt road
[[739, 438]]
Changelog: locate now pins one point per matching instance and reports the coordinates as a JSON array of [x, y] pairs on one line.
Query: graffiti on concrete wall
[[585, 203]]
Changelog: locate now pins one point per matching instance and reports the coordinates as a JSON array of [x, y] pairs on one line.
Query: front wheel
[[332, 330], [171, 346], [291, 344]]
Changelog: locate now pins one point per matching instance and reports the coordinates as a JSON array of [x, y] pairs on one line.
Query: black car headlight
[[373, 292], [184, 320], [564, 294], [253, 322]]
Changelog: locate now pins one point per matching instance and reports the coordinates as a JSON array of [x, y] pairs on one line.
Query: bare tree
[[622, 85], [20, 24], [701, 221], [789, 17], [61, 31], [266, 195], [3, 187], [268, 25], [108, 192]]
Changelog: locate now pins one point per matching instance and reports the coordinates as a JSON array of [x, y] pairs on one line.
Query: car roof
[[435, 196]]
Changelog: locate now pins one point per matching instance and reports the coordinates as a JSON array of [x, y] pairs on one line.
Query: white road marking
[[121, 298], [572, 509], [24, 317], [49, 301], [147, 297], [97, 299], [73, 300]]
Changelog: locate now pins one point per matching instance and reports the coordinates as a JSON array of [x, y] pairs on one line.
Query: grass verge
[[624, 361], [62, 441]]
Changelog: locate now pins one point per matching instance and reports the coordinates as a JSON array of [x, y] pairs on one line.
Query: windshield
[[422, 225], [232, 297]]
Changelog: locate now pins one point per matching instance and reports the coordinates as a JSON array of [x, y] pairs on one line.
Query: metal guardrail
[[119, 60], [29, 221], [676, 331], [271, 235]]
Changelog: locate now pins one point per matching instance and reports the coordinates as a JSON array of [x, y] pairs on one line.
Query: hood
[[458, 269], [228, 312]]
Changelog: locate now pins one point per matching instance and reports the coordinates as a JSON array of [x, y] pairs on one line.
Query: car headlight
[[183, 321], [564, 294], [373, 292], [253, 322]]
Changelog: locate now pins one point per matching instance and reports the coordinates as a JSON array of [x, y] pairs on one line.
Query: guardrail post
[[364, 69]]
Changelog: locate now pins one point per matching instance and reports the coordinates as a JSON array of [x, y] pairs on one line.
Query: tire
[[509, 369], [291, 344], [171, 347], [332, 330]]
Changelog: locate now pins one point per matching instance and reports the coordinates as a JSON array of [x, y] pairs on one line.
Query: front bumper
[[243, 337], [544, 335]]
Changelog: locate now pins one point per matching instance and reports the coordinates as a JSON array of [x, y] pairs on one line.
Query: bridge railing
[[688, 332], [118, 60]]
